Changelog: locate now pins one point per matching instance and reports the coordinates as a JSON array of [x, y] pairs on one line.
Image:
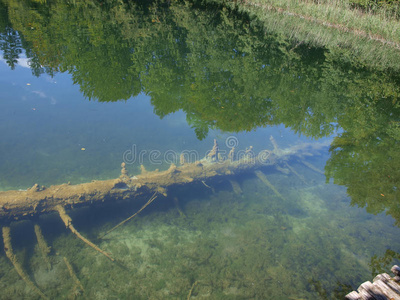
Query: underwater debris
[[285, 171], [17, 266], [77, 283], [249, 153], [311, 166], [236, 187], [264, 179], [142, 169], [232, 154], [301, 177], [214, 153], [182, 159], [176, 202], [58, 198], [68, 223], [135, 214], [44, 249], [274, 143], [23, 204], [124, 171], [191, 290], [206, 185]]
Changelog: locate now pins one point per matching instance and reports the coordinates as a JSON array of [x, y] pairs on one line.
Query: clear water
[[327, 233]]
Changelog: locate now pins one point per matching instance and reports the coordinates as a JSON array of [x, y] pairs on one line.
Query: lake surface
[[87, 86]]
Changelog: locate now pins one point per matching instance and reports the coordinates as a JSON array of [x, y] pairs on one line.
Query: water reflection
[[223, 72], [218, 70]]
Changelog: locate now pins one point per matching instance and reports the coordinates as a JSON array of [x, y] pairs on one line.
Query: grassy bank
[[371, 37]]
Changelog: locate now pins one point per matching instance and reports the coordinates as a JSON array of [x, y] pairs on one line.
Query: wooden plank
[[390, 294], [372, 290], [389, 282], [353, 296], [365, 295], [383, 288]]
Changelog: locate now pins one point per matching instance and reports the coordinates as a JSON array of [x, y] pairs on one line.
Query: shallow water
[[331, 224]]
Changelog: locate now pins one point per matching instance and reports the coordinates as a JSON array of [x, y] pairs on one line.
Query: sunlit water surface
[[233, 246], [203, 241]]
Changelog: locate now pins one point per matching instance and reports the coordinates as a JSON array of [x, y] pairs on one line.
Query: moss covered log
[[39, 200]]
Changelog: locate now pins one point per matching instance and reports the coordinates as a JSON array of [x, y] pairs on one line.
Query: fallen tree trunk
[[39, 200]]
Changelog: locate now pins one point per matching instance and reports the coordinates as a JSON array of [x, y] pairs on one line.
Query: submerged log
[[44, 249], [78, 287], [236, 187], [39, 200], [264, 179]]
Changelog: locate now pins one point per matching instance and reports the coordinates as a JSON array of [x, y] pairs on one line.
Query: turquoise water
[[187, 76], [48, 126]]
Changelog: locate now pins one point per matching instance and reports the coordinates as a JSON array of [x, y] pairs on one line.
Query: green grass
[[372, 38], [379, 24]]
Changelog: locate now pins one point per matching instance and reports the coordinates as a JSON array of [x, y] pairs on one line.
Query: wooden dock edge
[[383, 287]]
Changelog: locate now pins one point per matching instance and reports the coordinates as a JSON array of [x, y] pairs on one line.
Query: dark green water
[[87, 85]]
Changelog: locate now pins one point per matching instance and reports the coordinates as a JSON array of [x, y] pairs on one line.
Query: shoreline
[[370, 39]]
